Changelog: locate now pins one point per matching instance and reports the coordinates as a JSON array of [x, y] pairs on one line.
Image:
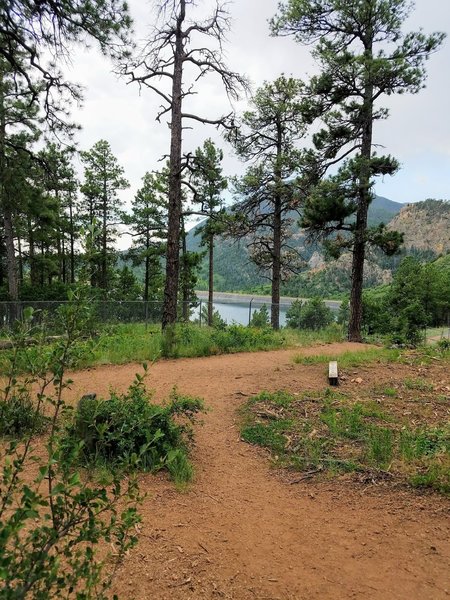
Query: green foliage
[[328, 432], [313, 314], [217, 321], [52, 520], [128, 431], [238, 338], [363, 56], [260, 318], [18, 416], [267, 139], [148, 222], [270, 435], [103, 178], [417, 298], [353, 359]]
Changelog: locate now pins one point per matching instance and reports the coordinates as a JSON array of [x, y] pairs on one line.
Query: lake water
[[237, 312]]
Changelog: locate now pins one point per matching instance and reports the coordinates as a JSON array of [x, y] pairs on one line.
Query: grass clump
[[128, 431], [269, 435], [418, 384], [352, 359], [330, 433]]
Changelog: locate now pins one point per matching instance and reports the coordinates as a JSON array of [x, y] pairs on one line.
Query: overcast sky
[[417, 132]]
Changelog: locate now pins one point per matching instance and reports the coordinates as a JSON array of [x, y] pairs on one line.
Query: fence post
[[200, 314], [250, 311]]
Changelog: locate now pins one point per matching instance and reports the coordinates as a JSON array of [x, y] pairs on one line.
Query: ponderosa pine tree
[[148, 222], [173, 54], [19, 123], [208, 184], [363, 55], [59, 182], [103, 178], [270, 191], [36, 35]]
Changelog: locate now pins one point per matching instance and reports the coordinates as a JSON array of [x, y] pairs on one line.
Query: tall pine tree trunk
[[169, 315], [276, 246], [185, 275], [276, 265], [11, 264], [147, 266], [210, 279], [104, 258], [72, 241], [20, 260], [359, 246]]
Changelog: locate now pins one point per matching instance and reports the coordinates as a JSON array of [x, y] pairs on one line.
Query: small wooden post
[[333, 373]]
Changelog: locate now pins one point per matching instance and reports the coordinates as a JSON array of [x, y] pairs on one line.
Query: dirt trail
[[240, 532]]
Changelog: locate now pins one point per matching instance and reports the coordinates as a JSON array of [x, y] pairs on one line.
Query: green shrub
[[313, 314], [128, 431], [19, 416], [52, 522], [217, 321], [260, 318]]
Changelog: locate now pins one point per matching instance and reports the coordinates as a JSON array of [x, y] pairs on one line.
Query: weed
[[380, 446], [269, 435], [281, 398], [418, 384], [352, 359], [128, 431], [435, 476], [424, 442], [19, 416], [325, 432], [345, 422], [383, 390]]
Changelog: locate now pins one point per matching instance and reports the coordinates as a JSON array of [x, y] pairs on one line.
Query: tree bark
[[210, 279], [147, 266], [276, 249], [359, 246], [104, 263], [276, 265], [169, 315], [11, 264], [72, 242]]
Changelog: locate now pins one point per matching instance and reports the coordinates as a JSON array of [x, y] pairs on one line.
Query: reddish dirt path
[[240, 532]]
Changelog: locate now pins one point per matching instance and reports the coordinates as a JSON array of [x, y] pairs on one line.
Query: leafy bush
[[127, 430], [19, 416], [51, 519], [217, 321], [260, 318], [240, 338], [313, 314]]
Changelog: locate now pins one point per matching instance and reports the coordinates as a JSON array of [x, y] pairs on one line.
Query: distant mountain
[[235, 272], [425, 226], [382, 210]]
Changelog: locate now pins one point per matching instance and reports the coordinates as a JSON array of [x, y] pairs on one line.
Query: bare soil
[[241, 531]]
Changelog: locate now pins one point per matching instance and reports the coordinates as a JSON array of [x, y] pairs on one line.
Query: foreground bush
[[54, 523], [128, 431]]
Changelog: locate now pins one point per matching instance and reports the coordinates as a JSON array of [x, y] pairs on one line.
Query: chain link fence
[[115, 312]]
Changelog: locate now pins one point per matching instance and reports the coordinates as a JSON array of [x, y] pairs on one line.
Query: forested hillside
[[426, 229]]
